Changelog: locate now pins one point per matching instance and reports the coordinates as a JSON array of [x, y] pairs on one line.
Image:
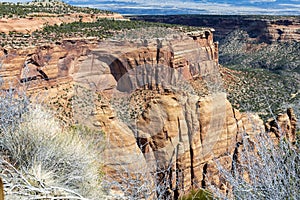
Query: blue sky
[[273, 7]]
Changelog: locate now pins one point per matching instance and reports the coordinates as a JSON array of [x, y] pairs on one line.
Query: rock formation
[[179, 134], [1, 190], [283, 126], [260, 29], [38, 21], [166, 136]]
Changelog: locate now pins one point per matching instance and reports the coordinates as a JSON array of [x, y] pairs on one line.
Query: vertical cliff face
[[181, 136], [155, 122], [268, 42], [40, 65], [283, 126], [158, 128], [163, 138]]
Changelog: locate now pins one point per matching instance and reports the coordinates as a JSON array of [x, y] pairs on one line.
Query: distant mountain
[[140, 7]]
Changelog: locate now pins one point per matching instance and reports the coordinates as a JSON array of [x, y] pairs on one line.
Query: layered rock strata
[[32, 23], [170, 138], [260, 29]]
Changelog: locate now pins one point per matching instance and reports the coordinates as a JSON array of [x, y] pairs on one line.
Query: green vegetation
[[198, 195], [268, 76], [259, 90], [235, 52], [51, 7], [100, 29]]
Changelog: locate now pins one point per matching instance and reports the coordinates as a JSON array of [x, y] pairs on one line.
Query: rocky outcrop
[[260, 29], [45, 72], [172, 123], [1, 190], [283, 126], [30, 24], [179, 134], [47, 63], [249, 41], [160, 132], [284, 30], [182, 135]]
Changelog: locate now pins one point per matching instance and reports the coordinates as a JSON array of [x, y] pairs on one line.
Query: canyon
[[159, 101], [268, 42], [261, 29]]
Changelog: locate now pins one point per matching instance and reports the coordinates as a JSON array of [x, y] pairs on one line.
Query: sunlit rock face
[[160, 103], [178, 133], [283, 126], [35, 21]]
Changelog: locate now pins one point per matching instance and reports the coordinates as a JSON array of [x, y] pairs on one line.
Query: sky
[[139, 7]]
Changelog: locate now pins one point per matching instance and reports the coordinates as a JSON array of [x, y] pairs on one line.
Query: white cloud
[[261, 1], [290, 5], [198, 7], [210, 8]]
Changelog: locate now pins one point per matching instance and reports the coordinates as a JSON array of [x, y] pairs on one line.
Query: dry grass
[[39, 158]]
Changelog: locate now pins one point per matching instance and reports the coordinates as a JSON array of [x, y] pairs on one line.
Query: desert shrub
[[277, 56], [264, 170], [197, 195], [12, 105], [42, 158]]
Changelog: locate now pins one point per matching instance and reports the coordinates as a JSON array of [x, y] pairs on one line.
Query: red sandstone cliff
[[261, 29], [175, 136], [31, 24]]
